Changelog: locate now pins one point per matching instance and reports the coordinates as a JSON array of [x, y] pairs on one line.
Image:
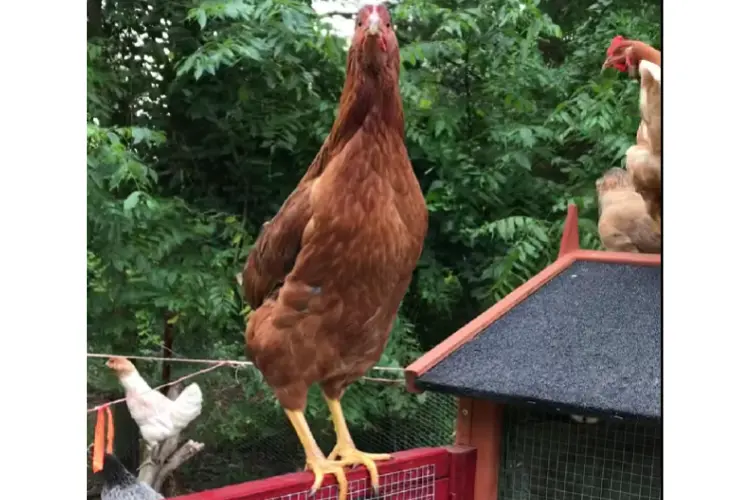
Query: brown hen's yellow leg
[[345, 448], [314, 458]]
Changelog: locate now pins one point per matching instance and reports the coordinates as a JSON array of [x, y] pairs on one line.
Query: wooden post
[[479, 425], [462, 472], [570, 241]]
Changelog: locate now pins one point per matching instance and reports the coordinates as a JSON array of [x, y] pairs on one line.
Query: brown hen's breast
[[369, 223], [334, 312]]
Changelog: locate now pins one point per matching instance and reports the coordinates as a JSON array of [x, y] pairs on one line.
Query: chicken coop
[[559, 383], [558, 388]]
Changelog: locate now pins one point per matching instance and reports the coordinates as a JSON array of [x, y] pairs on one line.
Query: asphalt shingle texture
[[589, 340]]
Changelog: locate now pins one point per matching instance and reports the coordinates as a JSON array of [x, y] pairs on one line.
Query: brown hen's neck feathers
[[646, 52], [368, 94]]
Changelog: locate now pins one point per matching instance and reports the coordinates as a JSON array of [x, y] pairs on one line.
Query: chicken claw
[[320, 467], [345, 449], [349, 455], [315, 461]]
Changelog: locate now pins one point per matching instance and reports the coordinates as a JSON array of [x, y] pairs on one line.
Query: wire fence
[[257, 457], [552, 457], [417, 483]]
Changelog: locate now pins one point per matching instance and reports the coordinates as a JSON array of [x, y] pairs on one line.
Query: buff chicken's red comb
[[616, 42]]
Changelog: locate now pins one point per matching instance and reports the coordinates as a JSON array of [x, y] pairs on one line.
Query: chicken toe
[[345, 450], [320, 467], [349, 455], [315, 461]]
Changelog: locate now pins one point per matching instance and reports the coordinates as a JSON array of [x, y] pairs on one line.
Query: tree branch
[[185, 453]]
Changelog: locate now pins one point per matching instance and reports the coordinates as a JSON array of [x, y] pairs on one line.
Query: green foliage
[[202, 116]]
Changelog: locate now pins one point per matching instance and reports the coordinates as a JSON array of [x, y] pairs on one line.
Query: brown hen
[[624, 222], [327, 274]]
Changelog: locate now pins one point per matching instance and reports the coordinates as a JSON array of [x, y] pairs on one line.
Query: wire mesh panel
[[428, 421], [552, 457], [440, 473], [413, 484]]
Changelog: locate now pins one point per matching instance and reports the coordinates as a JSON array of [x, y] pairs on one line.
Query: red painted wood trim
[[570, 240], [639, 259], [462, 473], [481, 429], [463, 421], [442, 491]]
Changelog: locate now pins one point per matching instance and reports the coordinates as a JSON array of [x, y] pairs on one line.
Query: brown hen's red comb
[[616, 42]]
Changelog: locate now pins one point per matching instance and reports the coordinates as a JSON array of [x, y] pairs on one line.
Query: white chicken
[[157, 416]]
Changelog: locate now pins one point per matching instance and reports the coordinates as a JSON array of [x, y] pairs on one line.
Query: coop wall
[[549, 456]]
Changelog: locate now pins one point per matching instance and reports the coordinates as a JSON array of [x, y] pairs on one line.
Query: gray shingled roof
[[589, 340]]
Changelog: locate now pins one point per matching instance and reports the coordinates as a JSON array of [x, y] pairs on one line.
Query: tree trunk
[[127, 437], [166, 352], [94, 23]]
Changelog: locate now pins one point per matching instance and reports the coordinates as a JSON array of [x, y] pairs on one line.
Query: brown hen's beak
[[373, 24], [607, 64]]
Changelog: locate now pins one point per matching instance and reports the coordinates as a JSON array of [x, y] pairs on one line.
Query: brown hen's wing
[[279, 242], [276, 248]]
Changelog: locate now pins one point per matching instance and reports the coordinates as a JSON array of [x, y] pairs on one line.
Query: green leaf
[[200, 17], [526, 137], [131, 201], [440, 127], [139, 134], [522, 159]]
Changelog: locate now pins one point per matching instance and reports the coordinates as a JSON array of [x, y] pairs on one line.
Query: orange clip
[[99, 446]]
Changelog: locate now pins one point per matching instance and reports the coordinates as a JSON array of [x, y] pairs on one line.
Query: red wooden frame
[[453, 467]]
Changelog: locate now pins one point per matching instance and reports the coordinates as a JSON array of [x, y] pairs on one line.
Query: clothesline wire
[[215, 363], [230, 362]]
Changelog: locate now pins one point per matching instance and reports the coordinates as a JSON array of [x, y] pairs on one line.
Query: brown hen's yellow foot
[[345, 449], [322, 466], [349, 455], [315, 461]]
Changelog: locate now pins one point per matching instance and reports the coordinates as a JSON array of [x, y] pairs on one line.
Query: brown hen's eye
[[359, 23], [387, 25]]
